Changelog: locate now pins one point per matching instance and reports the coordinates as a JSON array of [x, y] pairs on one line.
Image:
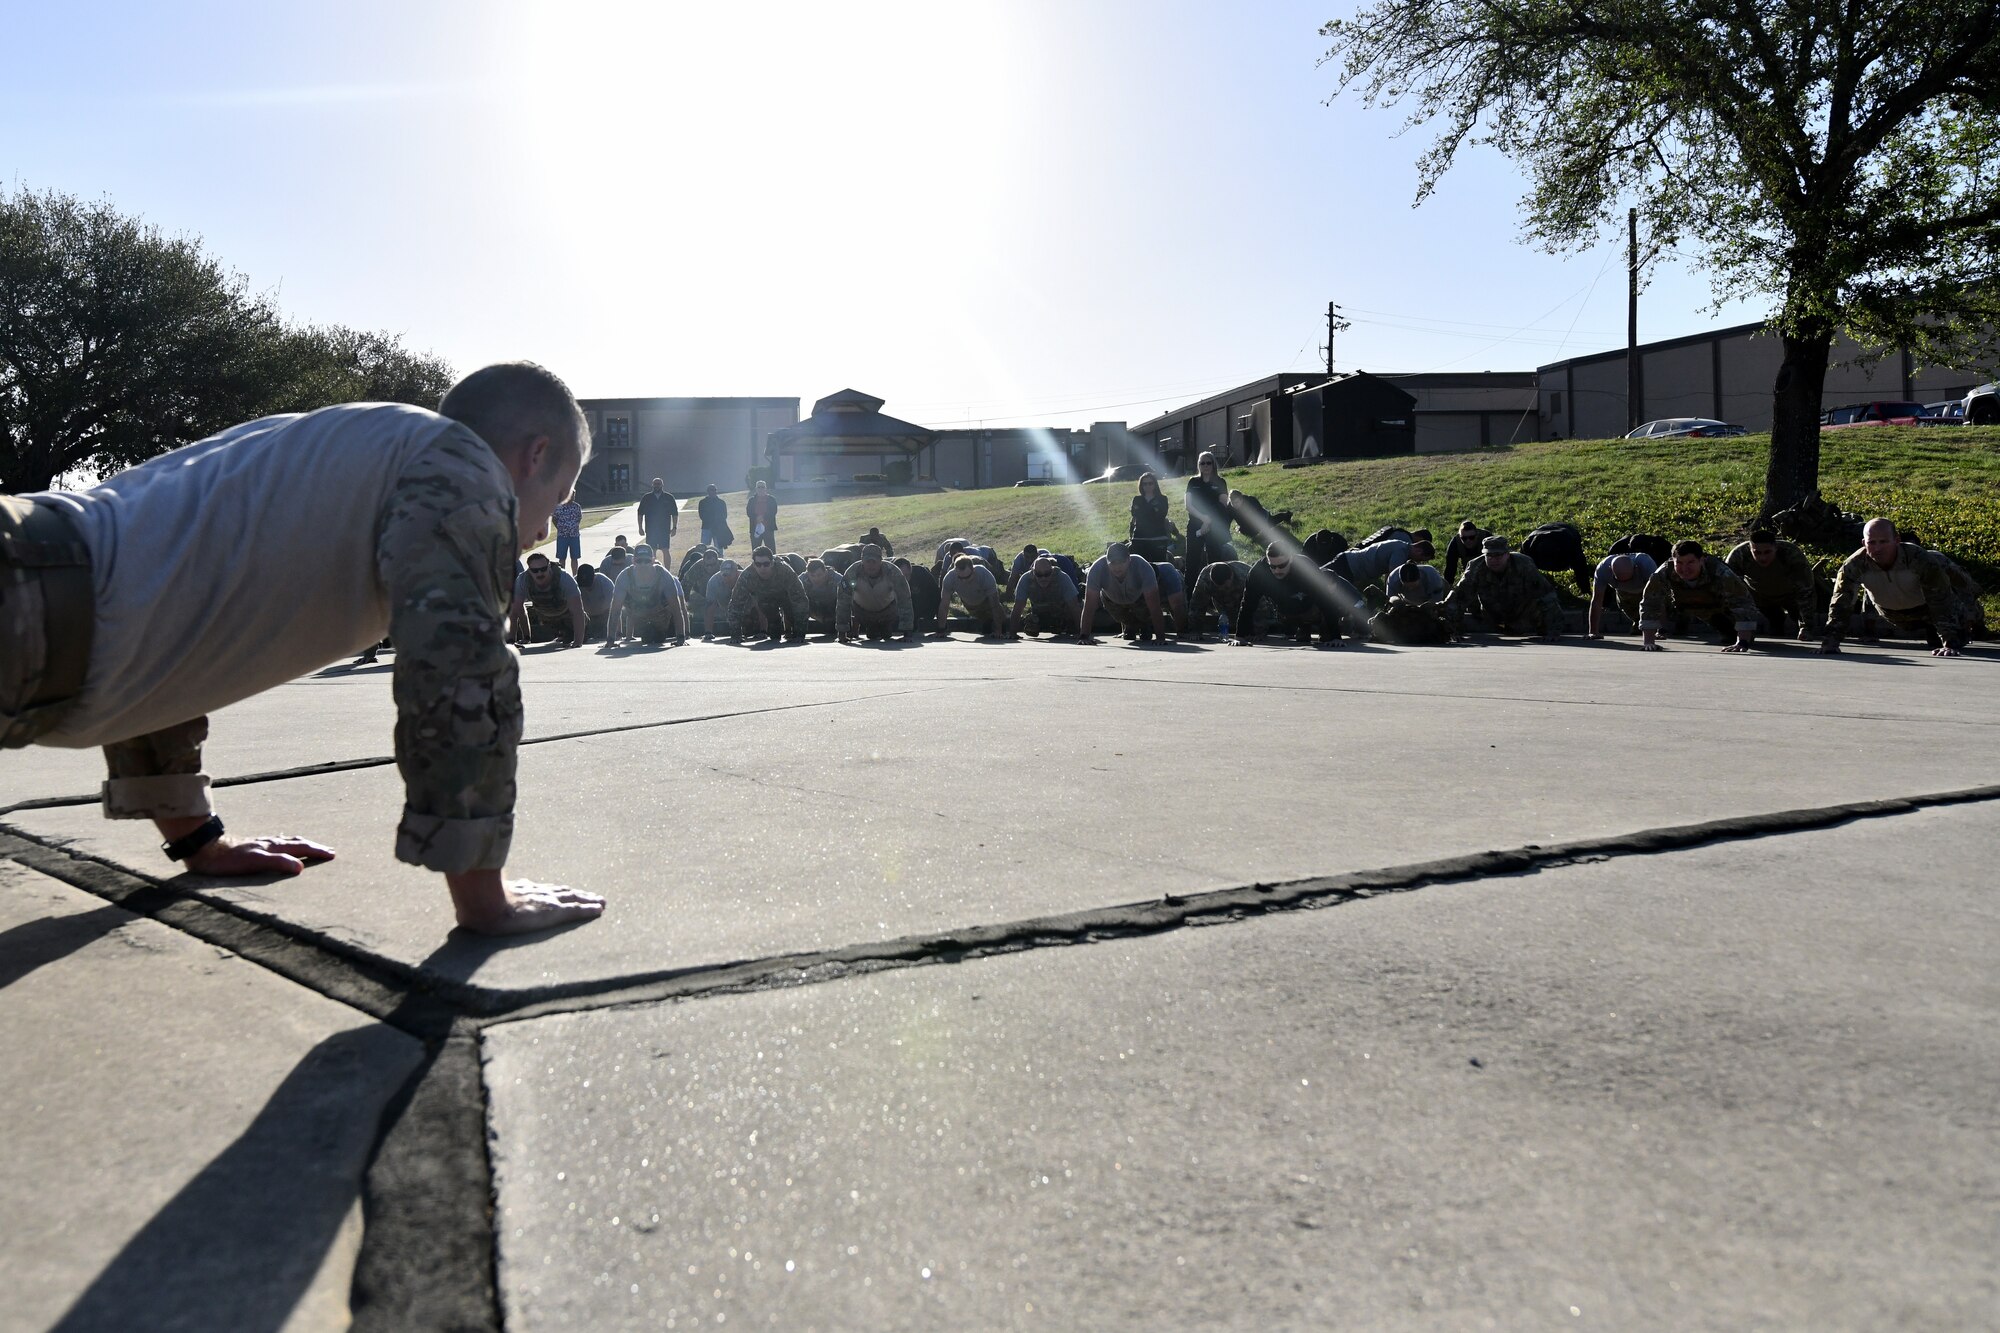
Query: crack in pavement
[[383, 761], [428, 1244], [1531, 699]]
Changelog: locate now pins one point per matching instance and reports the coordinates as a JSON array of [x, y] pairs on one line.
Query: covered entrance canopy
[[848, 424]]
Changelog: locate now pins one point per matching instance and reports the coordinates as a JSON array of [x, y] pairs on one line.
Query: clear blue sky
[[1049, 211]]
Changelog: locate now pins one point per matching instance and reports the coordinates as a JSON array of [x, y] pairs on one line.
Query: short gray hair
[[512, 402]]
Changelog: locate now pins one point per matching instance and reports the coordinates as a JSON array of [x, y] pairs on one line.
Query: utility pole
[[1335, 323], [1632, 383]]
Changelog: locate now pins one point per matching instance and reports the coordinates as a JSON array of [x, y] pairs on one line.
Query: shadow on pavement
[[34, 944], [241, 1242]]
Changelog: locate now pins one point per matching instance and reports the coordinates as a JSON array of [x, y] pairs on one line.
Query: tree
[[330, 364], [118, 343], [1840, 158]]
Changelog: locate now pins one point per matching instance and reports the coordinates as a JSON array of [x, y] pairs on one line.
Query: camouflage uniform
[[823, 599], [897, 616], [1914, 594], [1786, 591], [1715, 594], [45, 618], [777, 592], [1516, 596], [1210, 601], [652, 613], [694, 585], [1971, 610]]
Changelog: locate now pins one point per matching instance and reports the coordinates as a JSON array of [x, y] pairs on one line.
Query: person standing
[[713, 512], [1207, 518], [568, 520], [659, 520], [1149, 533], [761, 512]]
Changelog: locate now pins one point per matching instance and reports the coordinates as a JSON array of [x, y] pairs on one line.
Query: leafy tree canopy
[[118, 343], [1841, 159]]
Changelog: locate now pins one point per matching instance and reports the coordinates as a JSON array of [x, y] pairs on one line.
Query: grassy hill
[[1943, 483]]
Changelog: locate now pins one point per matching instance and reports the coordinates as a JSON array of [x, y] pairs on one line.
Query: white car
[[1684, 428], [1982, 406]]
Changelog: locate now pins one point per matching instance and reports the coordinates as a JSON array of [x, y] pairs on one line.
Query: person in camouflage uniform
[[1966, 590], [1506, 590], [646, 602], [1908, 586], [874, 599], [771, 587], [822, 585], [1697, 585], [1781, 582], [1217, 596], [418, 539], [1045, 598]]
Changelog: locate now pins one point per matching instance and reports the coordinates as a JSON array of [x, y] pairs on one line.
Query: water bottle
[[1222, 625]]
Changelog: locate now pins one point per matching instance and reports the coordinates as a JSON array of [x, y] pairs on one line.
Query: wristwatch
[[181, 848]]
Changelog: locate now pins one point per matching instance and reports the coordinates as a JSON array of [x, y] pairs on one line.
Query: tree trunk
[[1792, 473]]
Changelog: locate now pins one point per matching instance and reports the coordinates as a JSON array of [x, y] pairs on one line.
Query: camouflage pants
[[548, 621], [875, 624], [45, 609], [654, 624], [1525, 617], [1050, 617], [1130, 615], [1628, 606], [1917, 621]]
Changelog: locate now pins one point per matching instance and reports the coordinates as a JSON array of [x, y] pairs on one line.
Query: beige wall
[[687, 445], [1680, 382]]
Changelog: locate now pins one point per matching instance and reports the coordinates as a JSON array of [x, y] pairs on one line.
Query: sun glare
[[733, 156]]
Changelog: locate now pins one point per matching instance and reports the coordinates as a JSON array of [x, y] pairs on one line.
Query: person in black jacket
[[1306, 598], [1150, 533], [924, 592], [1207, 517], [1558, 546], [713, 511]]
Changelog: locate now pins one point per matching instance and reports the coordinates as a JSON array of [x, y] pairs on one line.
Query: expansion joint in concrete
[[428, 1249]]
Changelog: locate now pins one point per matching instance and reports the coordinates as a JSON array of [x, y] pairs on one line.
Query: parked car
[[1952, 411], [1698, 428], [1876, 414], [1982, 406], [1040, 481], [1123, 472]]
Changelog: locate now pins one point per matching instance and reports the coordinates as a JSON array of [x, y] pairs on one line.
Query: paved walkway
[[1548, 986]]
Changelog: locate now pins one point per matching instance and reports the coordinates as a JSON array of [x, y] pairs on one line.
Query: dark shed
[[1355, 416]]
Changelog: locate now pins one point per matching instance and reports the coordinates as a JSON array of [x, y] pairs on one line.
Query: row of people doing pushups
[[1385, 589]]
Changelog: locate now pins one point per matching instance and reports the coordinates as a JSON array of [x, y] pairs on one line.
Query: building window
[[621, 477], [617, 432], [1556, 403]]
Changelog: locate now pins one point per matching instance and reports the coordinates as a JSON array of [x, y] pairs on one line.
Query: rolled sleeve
[[164, 796], [445, 556], [158, 775]]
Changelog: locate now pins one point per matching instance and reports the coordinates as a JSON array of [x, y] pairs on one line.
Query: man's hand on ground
[[280, 855], [1945, 650]]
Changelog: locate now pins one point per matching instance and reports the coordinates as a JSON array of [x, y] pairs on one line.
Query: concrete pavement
[[764, 819]]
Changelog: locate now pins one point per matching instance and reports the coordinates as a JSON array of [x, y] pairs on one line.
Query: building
[[689, 443], [1483, 409], [1725, 374], [1306, 415], [1004, 455]]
